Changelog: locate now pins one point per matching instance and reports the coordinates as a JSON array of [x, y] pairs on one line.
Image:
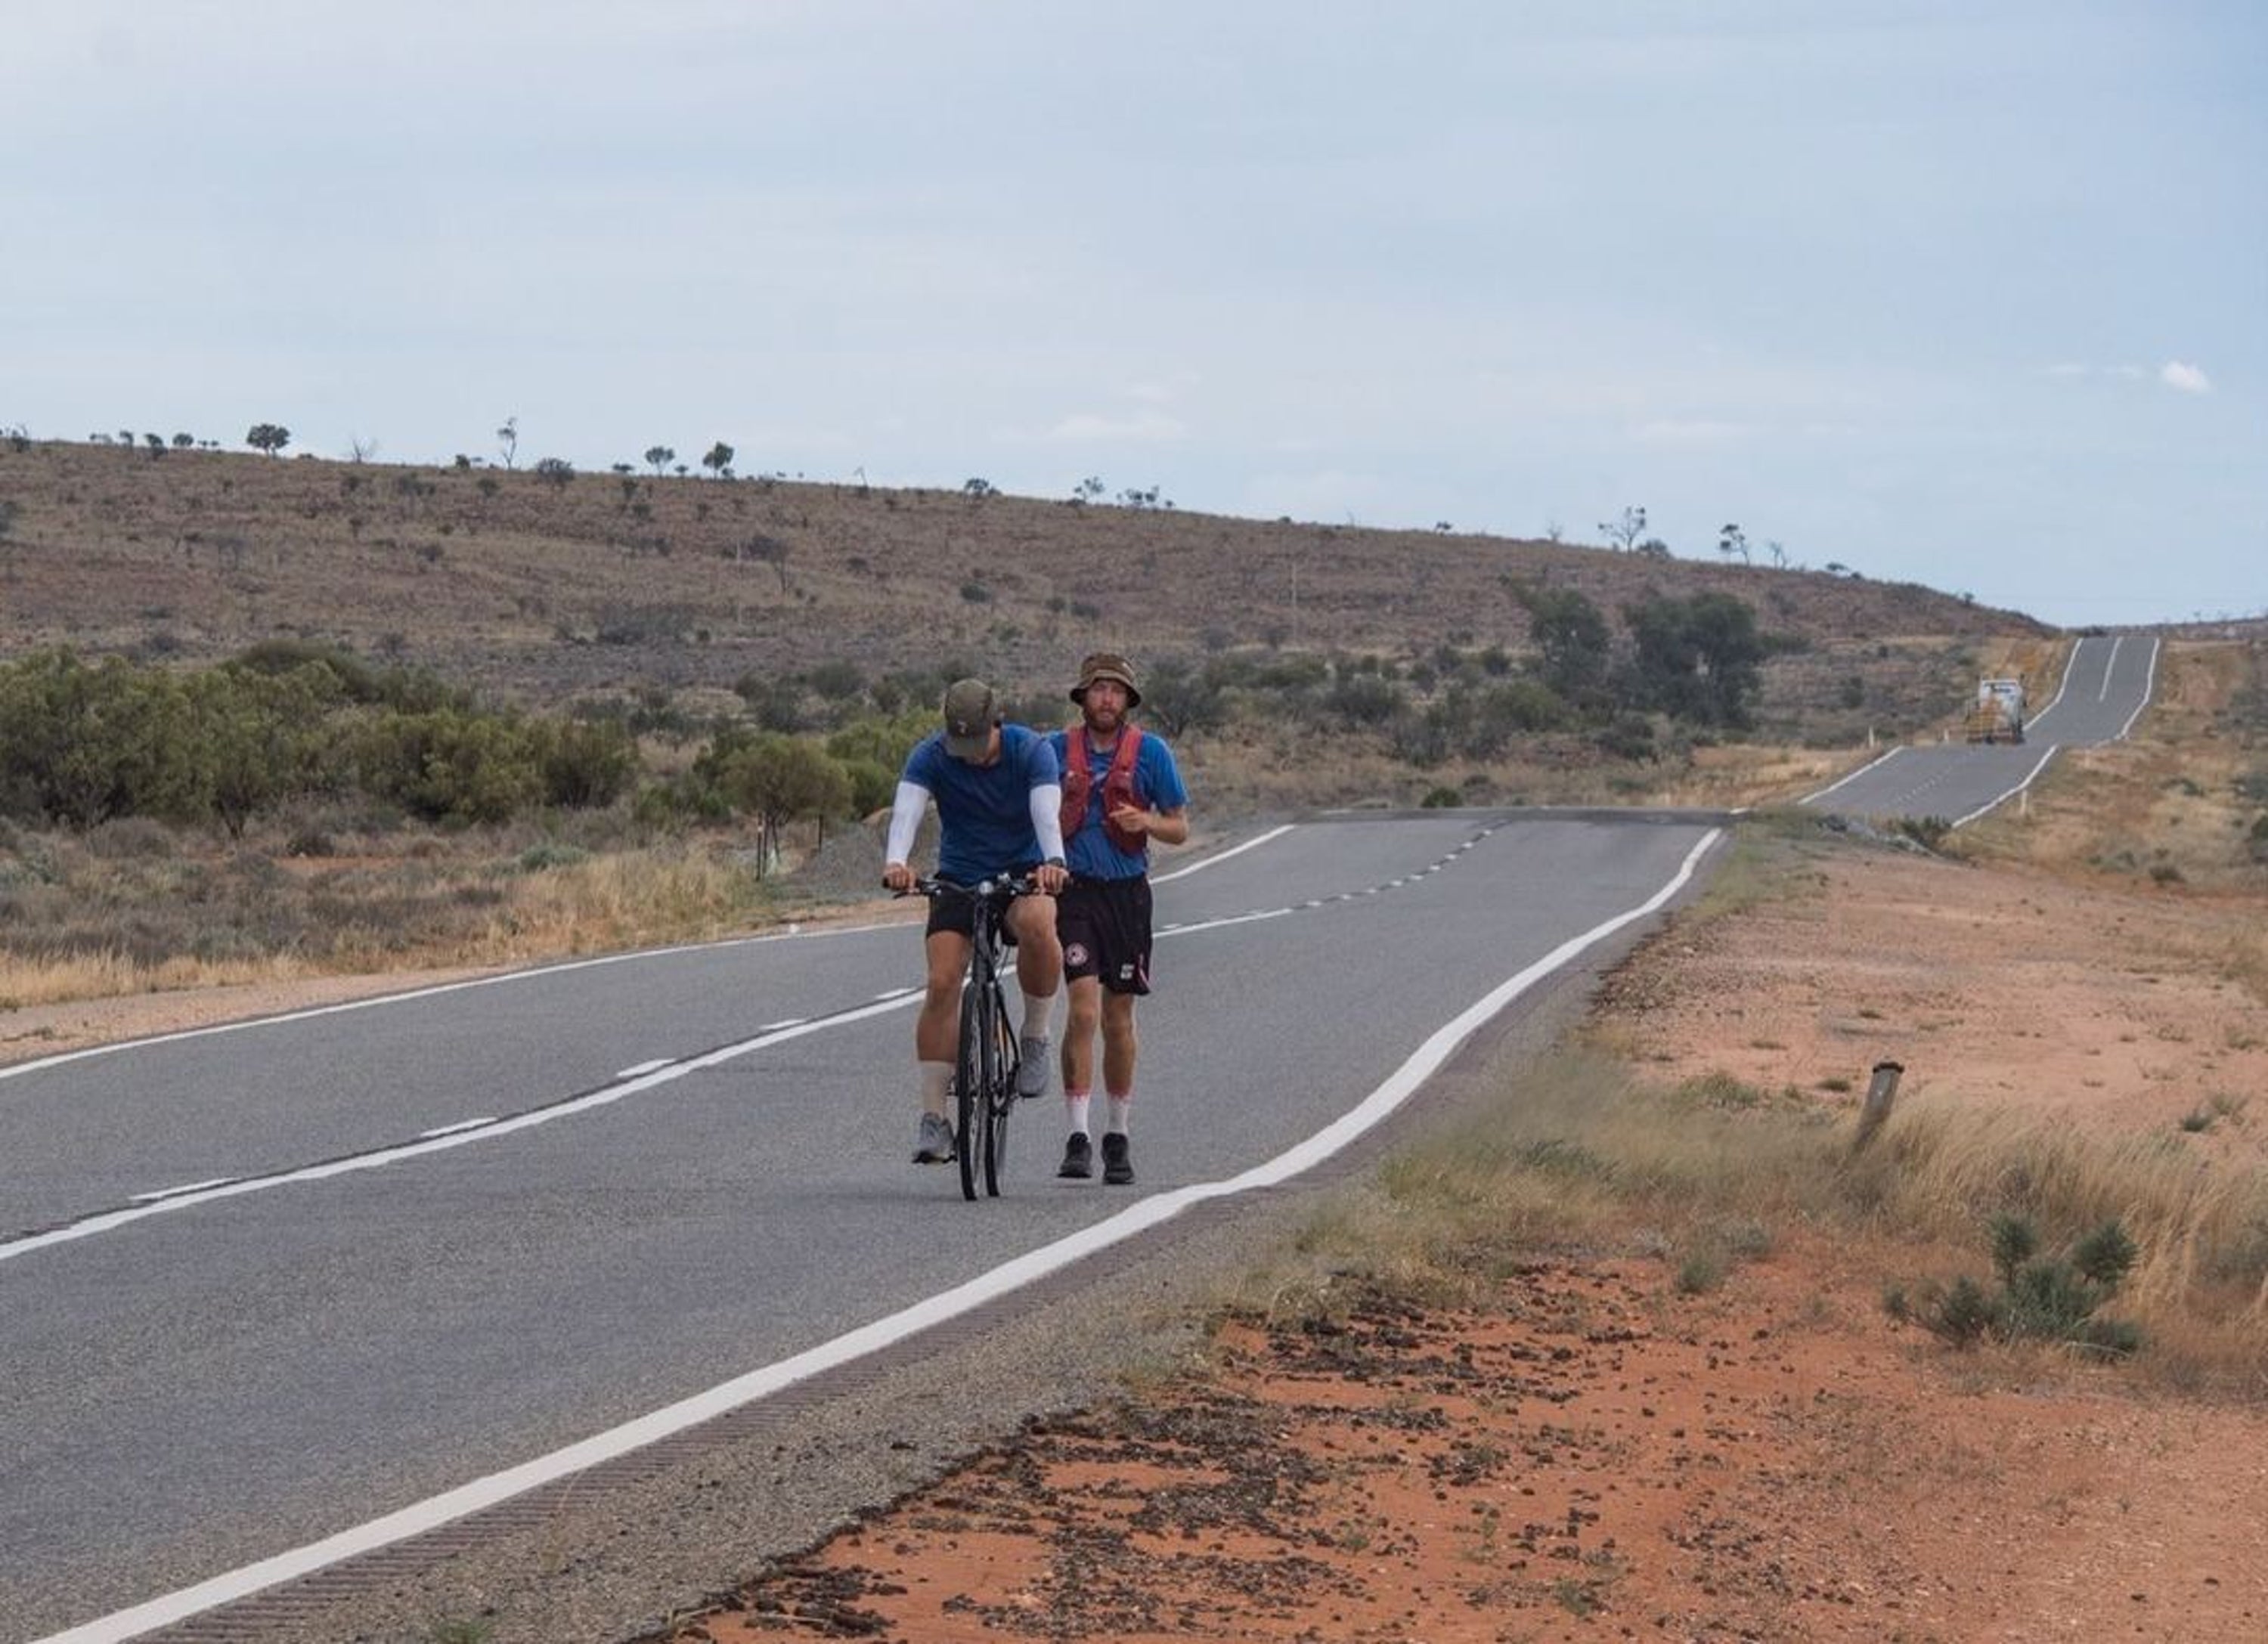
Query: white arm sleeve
[[905, 821], [1047, 820]]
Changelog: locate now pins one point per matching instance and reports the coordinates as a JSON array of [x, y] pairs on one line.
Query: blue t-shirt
[[984, 811], [1157, 783]]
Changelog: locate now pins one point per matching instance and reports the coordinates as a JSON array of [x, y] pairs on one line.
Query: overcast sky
[[1973, 294]]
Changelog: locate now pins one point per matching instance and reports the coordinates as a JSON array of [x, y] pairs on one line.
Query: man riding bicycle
[[999, 798]]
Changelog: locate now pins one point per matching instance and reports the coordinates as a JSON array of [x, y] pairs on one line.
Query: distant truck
[[1999, 715]]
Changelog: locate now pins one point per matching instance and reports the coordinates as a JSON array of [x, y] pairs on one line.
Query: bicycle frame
[[988, 1055]]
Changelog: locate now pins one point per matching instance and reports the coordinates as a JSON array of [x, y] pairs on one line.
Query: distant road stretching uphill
[[2106, 684], [277, 1294]]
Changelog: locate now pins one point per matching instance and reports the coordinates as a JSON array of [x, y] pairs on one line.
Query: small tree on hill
[[508, 440], [268, 436], [1625, 533], [659, 457], [719, 460]]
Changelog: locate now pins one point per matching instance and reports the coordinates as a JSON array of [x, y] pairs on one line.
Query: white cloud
[[2191, 379], [1691, 432], [1083, 426]]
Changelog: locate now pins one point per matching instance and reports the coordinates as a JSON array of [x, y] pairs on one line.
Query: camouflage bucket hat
[[1105, 664]]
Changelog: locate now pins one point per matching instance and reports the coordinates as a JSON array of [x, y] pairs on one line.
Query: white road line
[[786, 1022], [1146, 1212], [450, 1130], [1233, 919], [1854, 775], [185, 1187], [2012, 792], [648, 1067], [2063, 684], [2149, 689], [2109, 667], [1233, 850]]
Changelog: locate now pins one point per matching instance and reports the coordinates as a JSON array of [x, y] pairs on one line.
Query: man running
[[1121, 791], [998, 811]]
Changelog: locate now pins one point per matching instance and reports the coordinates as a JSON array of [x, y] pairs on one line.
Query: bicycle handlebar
[[1011, 884]]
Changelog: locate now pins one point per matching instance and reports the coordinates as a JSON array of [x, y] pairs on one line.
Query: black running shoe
[[1117, 1161], [1079, 1157]]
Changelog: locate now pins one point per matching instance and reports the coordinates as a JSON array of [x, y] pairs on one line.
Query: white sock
[[935, 1077], [1036, 1011], [1077, 1105], [1120, 1107]]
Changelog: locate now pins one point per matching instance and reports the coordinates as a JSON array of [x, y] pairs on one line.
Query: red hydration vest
[[1117, 784]]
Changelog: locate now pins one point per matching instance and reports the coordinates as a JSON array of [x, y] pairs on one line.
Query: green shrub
[[585, 764], [2055, 1299], [1963, 1315]]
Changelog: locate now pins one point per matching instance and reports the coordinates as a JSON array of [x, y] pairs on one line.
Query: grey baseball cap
[[970, 715]]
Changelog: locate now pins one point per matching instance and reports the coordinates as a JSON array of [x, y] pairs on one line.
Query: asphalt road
[[2106, 684], [261, 1287]]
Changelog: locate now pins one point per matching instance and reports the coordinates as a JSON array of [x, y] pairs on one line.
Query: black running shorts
[[1105, 926]]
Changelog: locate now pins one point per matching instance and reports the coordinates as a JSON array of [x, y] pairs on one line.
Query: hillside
[[603, 584]]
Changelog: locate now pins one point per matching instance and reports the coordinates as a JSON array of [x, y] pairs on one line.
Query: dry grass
[[83, 920], [1580, 1153]]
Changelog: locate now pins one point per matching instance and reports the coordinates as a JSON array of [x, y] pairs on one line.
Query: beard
[[1101, 719]]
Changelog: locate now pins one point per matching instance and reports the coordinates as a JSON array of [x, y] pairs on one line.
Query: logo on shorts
[[1075, 953]]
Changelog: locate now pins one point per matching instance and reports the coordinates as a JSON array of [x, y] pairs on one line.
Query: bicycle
[[985, 1065]]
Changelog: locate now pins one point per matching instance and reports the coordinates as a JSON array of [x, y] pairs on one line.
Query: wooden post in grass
[[1881, 1090]]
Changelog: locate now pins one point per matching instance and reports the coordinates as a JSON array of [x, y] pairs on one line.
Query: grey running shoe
[[1117, 1161], [1079, 1157], [1032, 1077], [936, 1144]]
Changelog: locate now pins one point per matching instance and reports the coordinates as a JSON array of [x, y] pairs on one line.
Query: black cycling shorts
[[955, 912], [1105, 926]]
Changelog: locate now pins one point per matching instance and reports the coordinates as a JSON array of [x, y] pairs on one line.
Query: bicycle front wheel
[[999, 1093], [972, 1110]]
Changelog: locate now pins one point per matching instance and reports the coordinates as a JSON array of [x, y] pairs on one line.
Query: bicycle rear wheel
[[972, 1109]]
